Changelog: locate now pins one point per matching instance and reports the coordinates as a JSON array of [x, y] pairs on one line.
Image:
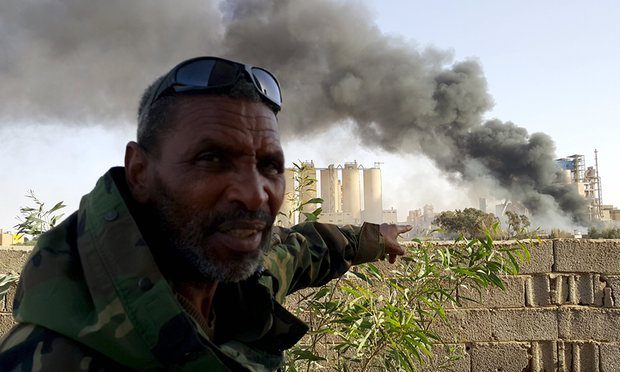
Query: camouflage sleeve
[[311, 254], [27, 347]]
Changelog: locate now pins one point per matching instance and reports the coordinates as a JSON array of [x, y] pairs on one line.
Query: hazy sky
[[550, 66]]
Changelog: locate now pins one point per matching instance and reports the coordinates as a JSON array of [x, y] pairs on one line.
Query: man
[[170, 262]]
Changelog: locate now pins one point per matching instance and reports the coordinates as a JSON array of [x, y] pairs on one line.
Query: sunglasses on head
[[205, 74]]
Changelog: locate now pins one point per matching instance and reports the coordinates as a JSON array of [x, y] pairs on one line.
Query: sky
[[550, 67]]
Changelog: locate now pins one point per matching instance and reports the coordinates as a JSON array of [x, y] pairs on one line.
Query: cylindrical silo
[[330, 190], [373, 204], [351, 202], [567, 176], [287, 218]]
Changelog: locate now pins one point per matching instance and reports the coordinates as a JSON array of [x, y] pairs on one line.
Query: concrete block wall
[[12, 258], [561, 313]]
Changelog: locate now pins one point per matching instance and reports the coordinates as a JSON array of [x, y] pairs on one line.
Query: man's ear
[[136, 171]]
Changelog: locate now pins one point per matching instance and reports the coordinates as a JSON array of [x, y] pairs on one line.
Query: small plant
[[6, 281], [305, 209], [379, 317], [557, 233], [35, 220], [609, 232]]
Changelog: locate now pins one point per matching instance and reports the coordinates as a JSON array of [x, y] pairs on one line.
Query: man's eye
[[210, 158], [271, 168]]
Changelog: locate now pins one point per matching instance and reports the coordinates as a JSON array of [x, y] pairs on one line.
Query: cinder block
[[588, 324], [448, 357], [600, 283], [572, 289], [544, 356], [505, 357], [560, 289], [585, 357], [541, 256], [537, 324], [565, 357], [538, 291], [6, 323], [585, 289], [587, 256], [578, 356], [608, 301], [609, 357], [465, 325], [513, 296], [613, 282], [6, 305], [13, 258], [492, 325]]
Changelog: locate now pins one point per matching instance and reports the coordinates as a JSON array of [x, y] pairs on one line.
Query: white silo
[[330, 190], [373, 204], [351, 191], [287, 218]]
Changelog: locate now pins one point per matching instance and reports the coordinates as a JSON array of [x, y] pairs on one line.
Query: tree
[[518, 224], [610, 232], [469, 222]]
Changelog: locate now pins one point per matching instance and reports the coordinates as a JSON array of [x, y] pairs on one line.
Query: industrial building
[[351, 194], [588, 183]]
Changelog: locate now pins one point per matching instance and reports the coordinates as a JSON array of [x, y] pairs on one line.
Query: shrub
[[380, 317]]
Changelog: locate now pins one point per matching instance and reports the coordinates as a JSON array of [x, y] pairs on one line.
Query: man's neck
[[199, 295]]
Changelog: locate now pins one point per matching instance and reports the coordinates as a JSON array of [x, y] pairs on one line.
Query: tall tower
[[598, 181], [351, 191], [373, 203], [330, 190]]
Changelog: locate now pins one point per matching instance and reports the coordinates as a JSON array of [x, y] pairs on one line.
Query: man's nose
[[250, 189]]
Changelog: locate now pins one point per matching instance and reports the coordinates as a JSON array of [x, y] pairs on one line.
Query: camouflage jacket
[[91, 296]]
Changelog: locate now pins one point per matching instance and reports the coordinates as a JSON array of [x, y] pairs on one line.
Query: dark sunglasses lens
[[207, 73], [267, 84]]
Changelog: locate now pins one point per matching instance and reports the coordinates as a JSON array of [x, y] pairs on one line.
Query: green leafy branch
[[380, 316], [304, 185], [6, 281], [35, 220]]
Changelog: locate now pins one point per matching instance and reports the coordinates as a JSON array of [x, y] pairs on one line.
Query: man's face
[[218, 184]]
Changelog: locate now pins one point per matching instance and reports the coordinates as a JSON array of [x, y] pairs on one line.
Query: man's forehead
[[208, 122], [225, 112]]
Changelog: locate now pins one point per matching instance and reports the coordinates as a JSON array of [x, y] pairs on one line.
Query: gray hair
[[156, 120]]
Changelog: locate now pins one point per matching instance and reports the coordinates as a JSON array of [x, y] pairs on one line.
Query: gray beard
[[186, 233]]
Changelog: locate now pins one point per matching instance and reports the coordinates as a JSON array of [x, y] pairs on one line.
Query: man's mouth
[[241, 233]]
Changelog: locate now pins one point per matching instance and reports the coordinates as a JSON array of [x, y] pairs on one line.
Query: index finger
[[403, 228]]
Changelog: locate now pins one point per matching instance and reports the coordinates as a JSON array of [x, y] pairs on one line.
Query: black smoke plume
[[73, 60]]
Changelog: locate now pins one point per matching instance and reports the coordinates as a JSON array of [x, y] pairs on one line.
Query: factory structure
[[350, 193], [588, 184]]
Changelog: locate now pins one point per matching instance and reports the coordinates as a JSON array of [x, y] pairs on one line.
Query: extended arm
[[311, 254]]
